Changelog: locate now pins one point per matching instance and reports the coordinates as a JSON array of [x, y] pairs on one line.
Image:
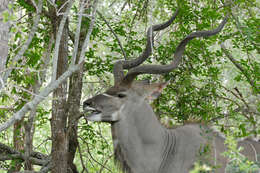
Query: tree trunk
[[28, 141], [59, 114], [4, 37], [59, 117], [75, 92], [75, 88], [18, 141]]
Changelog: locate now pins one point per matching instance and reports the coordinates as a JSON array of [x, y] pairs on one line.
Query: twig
[[100, 134], [63, 5], [223, 115], [238, 66], [25, 90], [34, 4], [82, 161], [46, 168], [102, 168], [112, 4], [44, 141], [96, 160], [241, 97], [233, 93], [113, 32], [6, 108], [86, 41], [76, 39], [27, 43], [226, 98]]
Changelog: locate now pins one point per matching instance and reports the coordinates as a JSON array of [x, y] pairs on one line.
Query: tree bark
[[59, 114], [75, 88], [18, 141], [28, 141], [4, 37], [74, 97]]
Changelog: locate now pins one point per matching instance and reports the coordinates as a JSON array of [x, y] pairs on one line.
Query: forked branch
[[128, 64], [160, 69]]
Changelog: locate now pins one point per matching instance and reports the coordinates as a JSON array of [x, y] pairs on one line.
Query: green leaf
[[6, 16]]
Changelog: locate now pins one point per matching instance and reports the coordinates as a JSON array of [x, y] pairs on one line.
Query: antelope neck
[[140, 136]]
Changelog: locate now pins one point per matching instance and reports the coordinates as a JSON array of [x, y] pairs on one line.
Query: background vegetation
[[61, 52]]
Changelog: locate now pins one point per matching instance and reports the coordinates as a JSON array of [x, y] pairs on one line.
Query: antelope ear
[[155, 90]]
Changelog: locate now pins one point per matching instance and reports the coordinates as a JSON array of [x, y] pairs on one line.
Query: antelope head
[[108, 106]]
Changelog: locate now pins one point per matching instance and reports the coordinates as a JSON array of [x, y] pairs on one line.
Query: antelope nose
[[87, 103]]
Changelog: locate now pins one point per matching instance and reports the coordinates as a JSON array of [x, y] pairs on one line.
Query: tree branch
[[53, 84], [237, 65], [38, 98], [113, 32], [91, 26], [27, 43], [8, 153], [58, 39], [77, 35]]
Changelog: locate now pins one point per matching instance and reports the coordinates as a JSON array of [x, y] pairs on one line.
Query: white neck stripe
[[107, 95]]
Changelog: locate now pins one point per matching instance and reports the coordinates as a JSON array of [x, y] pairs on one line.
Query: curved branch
[[160, 69]]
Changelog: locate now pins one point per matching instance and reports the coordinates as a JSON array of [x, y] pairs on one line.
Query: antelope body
[[141, 143]]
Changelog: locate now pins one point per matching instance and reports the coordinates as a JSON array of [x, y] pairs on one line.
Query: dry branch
[[8, 153]]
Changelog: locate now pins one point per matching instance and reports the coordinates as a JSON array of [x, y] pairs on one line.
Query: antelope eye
[[120, 95]]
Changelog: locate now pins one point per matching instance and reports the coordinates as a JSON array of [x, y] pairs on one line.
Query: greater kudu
[[141, 143]]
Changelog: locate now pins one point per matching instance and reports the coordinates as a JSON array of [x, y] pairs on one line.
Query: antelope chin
[[95, 116]]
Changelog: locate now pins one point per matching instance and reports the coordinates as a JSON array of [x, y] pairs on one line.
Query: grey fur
[[143, 145]]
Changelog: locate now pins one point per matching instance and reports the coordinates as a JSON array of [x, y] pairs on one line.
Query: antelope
[[141, 143]]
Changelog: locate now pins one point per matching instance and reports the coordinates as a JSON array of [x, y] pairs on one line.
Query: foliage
[[207, 87], [200, 168], [238, 163]]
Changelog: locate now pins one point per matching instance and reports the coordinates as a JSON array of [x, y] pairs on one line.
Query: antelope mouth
[[93, 114], [91, 110]]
